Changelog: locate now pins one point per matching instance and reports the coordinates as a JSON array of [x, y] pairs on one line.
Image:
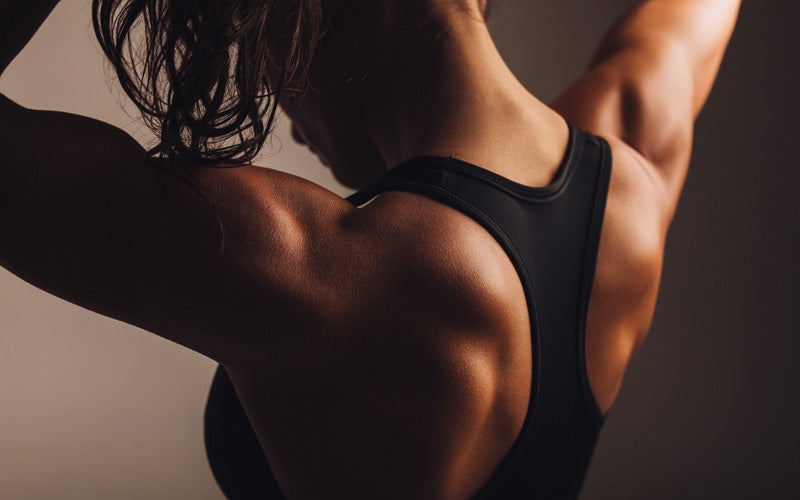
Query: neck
[[441, 90]]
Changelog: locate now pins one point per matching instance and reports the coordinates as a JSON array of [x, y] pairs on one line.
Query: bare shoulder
[[445, 248], [413, 365], [441, 268]]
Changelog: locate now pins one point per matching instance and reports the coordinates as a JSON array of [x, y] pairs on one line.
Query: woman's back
[[392, 350], [520, 398]]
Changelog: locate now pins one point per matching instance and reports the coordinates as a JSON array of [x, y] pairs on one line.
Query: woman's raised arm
[[208, 260], [649, 79]]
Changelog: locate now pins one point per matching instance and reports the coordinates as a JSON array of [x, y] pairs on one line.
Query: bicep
[[85, 216], [48, 153], [650, 78], [645, 98]]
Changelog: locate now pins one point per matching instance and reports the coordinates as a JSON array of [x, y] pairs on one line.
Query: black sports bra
[[551, 235]]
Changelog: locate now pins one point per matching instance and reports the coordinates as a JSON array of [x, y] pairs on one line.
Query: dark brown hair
[[197, 69]]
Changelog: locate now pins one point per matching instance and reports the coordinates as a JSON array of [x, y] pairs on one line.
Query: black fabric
[[236, 458], [551, 235]]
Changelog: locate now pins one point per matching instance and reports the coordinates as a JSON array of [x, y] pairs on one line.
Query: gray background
[[94, 409]]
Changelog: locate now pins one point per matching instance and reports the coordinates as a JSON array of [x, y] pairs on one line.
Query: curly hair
[[197, 69]]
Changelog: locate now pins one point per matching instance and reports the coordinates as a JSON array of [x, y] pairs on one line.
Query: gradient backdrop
[[94, 409]]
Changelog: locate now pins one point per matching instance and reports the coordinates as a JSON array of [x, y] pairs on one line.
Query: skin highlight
[[292, 304]]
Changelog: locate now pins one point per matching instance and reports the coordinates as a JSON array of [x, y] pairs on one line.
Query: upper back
[[469, 349], [550, 235]]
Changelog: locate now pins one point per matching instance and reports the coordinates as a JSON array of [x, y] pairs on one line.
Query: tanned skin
[[381, 352]]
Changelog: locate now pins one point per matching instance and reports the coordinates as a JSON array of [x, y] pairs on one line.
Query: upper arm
[[208, 261], [642, 96], [649, 80]]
